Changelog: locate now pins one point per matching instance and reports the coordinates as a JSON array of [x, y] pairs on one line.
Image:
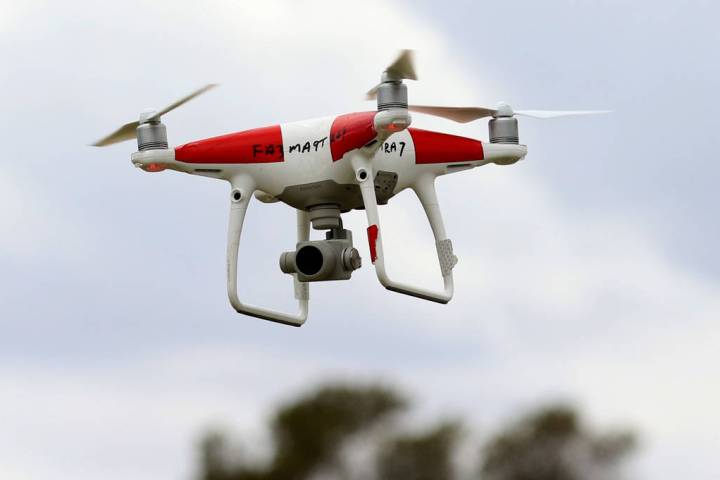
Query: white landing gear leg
[[242, 192], [425, 190]]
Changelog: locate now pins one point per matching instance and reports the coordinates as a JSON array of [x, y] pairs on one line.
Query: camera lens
[[309, 260]]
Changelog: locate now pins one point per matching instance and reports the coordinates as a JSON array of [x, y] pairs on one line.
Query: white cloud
[[549, 302], [32, 226], [14, 12]]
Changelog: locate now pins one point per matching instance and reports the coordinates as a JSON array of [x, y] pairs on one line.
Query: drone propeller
[[403, 68], [503, 124], [128, 131], [468, 114]]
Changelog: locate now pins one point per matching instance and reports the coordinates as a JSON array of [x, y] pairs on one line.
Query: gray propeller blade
[[372, 93], [468, 114], [127, 131], [183, 100], [456, 114], [403, 68]]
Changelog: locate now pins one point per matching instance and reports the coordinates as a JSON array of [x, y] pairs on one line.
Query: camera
[[334, 258]]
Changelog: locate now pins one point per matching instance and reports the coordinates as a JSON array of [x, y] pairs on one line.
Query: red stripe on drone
[[372, 233], [260, 145], [435, 147], [351, 131]]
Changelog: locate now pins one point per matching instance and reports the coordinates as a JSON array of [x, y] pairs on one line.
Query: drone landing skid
[[242, 192], [425, 190]]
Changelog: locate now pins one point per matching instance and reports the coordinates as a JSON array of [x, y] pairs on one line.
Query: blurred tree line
[[355, 432]]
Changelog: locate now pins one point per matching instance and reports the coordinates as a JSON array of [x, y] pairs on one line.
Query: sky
[[588, 271]]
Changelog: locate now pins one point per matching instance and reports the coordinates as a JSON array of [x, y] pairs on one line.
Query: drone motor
[[503, 125], [392, 95], [151, 134]]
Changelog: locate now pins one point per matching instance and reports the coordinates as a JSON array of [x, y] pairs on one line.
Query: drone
[[329, 166]]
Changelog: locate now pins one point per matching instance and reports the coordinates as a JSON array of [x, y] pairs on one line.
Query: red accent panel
[[372, 233], [351, 131], [436, 147], [261, 145]]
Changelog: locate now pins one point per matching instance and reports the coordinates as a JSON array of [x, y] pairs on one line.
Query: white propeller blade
[[127, 131], [558, 113], [468, 114]]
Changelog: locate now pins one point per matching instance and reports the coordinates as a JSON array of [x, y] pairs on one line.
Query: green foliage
[[212, 447], [309, 433], [420, 457], [312, 434], [551, 444]]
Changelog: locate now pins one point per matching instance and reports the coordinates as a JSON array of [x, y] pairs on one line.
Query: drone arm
[[242, 191], [425, 190]]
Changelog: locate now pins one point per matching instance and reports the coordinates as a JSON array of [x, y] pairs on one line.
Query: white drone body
[[328, 166]]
